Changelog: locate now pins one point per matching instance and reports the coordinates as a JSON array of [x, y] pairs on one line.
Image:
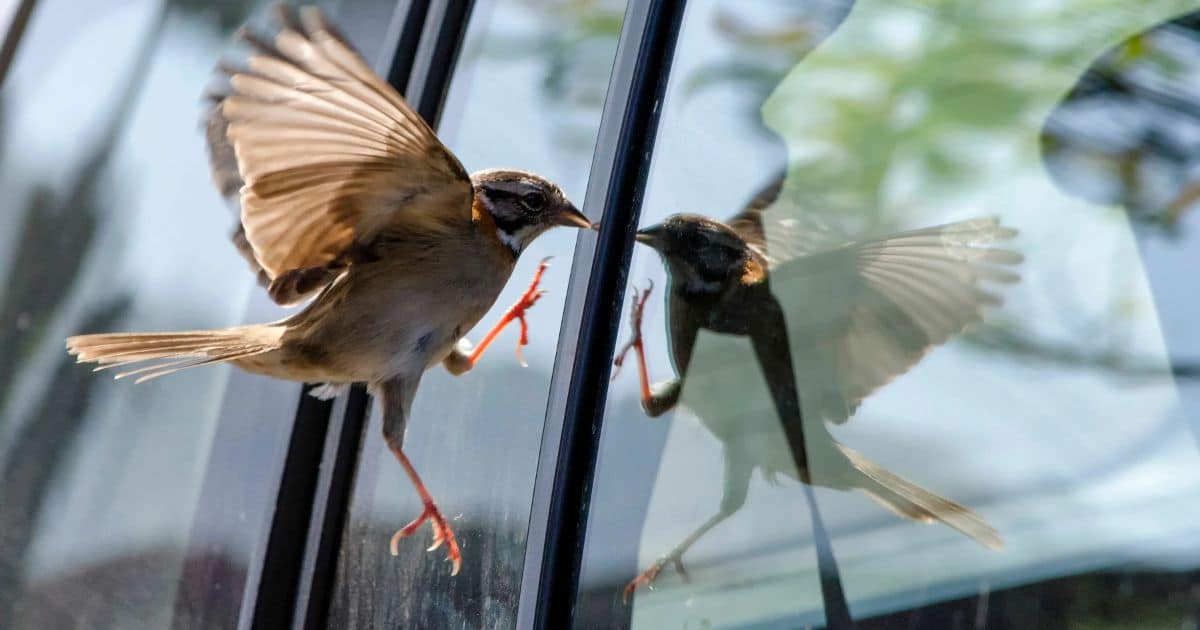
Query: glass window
[[966, 302], [112, 223], [527, 93]]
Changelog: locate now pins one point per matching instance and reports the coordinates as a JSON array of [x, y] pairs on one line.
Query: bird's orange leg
[[517, 312], [635, 343], [442, 534]]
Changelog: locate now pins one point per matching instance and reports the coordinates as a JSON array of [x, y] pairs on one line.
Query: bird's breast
[[406, 311]]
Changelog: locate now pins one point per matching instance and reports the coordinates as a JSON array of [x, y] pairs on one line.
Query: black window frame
[[294, 583], [291, 584]]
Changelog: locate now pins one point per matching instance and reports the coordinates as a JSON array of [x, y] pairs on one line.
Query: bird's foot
[[442, 534], [635, 342], [527, 299], [646, 578], [517, 312]]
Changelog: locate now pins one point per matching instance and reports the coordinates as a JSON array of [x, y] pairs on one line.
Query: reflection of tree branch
[[1146, 166], [34, 457], [14, 29], [230, 14], [56, 234], [58, 229], [1117, 362]]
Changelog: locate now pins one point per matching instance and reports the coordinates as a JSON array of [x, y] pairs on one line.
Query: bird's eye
[[533, 200]]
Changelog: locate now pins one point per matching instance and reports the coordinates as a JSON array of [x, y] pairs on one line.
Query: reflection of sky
[[496, 116], [162, 239], [1077, 468], [475, 438]]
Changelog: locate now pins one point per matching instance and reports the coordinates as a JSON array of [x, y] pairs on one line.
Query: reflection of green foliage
[[762, 54], [574, 41], [867, 132], [882, 129]]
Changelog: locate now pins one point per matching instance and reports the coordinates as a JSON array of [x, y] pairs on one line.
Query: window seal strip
[[595, 295], [300, 562], [419, 53]]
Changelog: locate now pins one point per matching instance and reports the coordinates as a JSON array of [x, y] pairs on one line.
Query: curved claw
[[636, 311], [442, 534], [645, 578], [517, 311], [679, 568]]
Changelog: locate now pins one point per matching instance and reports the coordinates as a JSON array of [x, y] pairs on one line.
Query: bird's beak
[[649, 235], [570, 216]]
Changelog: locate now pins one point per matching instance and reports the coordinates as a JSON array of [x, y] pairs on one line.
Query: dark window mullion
[[299, 563], [426, 42], [344, 435], [572, 436], [14, 24], [441, 41]]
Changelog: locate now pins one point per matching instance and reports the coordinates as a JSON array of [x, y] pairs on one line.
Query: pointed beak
[[570, 216], [650, 236]]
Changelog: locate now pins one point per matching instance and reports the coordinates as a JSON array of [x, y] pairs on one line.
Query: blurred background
[[110, 223], [1067, 420]]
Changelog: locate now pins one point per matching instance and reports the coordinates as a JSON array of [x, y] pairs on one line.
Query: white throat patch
[[515, 242]]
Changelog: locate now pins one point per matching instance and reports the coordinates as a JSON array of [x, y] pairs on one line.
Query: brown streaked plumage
[[346, 193], [830, 322]]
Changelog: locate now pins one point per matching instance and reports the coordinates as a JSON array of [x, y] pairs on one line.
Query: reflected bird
[[829, 321], [347, 194]]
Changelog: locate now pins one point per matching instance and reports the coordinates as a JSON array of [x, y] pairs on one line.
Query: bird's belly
[[397, 322]]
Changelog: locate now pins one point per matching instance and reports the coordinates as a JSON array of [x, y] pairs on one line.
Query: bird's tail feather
[[159, 354], [909, 500]]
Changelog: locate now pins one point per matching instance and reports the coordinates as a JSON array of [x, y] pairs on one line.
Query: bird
[[349, 201], [830, 321]]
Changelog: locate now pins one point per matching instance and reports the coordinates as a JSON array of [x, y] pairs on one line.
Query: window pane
[[1060, 420], [527, 93], [112, 223]]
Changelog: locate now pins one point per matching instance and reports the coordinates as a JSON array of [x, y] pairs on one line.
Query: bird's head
[[700, 253], [523, 205]]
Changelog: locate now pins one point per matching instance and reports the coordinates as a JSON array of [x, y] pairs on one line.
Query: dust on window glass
[[527, 93]]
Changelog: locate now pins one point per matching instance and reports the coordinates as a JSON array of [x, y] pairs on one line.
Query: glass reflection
[[526, 93], [1055, 423], [827, 326], [109, 206]]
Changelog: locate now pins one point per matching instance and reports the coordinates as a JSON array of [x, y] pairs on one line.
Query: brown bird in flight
[[830, 321], [346, 193]]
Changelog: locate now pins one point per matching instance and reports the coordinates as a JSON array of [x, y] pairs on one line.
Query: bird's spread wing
[[864, 313], [749, 222], [328, 155], [780, 234]]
